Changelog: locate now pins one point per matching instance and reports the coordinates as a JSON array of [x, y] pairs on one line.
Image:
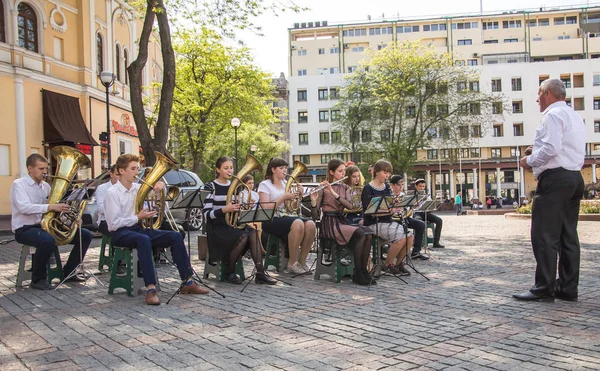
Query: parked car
[[190, 218]]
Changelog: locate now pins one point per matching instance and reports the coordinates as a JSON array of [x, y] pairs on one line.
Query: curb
[[582, 217]]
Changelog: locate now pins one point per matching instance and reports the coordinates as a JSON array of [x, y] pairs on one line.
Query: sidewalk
[[464, 318]]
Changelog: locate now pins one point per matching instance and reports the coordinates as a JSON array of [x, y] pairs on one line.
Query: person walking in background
[[556, 159], [458, 203]]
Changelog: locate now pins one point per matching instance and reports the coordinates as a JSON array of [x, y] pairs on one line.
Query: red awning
[[63, 121]]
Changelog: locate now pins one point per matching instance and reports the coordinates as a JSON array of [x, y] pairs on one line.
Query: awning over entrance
[[63, 121]]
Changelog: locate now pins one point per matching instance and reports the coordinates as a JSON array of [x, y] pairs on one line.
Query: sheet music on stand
[[257, 213], [406, 200], [189, 199], [379, 205], [427, 206]]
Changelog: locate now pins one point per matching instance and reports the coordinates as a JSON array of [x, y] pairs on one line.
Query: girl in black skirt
[[226, 242], [295, 230]]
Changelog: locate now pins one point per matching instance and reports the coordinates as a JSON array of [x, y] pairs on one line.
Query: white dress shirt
[[28, 200], [119, 206], [99, 194], [559, 140]]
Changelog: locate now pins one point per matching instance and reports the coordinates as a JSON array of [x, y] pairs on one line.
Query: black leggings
[[245, 242], [362, 248]]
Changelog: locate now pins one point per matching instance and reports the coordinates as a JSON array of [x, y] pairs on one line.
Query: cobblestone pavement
[[464, 318]]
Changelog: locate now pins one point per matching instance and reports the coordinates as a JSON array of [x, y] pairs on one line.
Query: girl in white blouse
[[298, 232]]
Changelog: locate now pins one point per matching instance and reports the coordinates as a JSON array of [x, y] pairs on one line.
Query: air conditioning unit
[[296, 25], [293, 47], [475, 55], [346, 46]]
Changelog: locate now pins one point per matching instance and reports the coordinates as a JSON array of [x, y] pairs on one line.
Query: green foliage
[[526, 209], [214, 84], [409, 91]]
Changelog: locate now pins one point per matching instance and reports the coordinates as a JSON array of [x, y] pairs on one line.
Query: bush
[[586, 207]]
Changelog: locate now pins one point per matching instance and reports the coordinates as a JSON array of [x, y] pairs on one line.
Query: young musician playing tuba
[[225, 241], [332, 200], [28, 201], [295, 230], [119, 210]]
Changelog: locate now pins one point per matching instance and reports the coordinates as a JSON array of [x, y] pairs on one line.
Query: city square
[[463, 318]]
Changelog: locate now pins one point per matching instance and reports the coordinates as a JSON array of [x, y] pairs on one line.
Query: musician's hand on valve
[[231, 207], [289, 196], [145, 214], [159, 186], [59, 207]]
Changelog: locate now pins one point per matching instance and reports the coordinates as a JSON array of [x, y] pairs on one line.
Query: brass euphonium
[[156, 201], [63, 226], [355, 200], [293, 206], [237, 187]]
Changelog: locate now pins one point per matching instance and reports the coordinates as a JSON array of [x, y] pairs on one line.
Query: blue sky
[[270, 51]]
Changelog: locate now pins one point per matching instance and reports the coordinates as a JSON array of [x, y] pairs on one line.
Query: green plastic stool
[[277, 259], [52, 272], [335, 270], [219, 269], [130, 281], [106, 257], [426, 239]]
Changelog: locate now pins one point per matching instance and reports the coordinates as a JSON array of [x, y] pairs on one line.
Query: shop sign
[[125, 126], [85, 148]]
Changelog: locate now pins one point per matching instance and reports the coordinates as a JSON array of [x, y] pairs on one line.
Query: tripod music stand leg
[[79, 266]]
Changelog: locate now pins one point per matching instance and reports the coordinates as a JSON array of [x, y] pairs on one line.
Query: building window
[[461, 86], [366, 136], [305, 159], [542, 22], [126, 64], [323, 116], [335, 50], [496, 152], [302, 95], [471, 62], [351, 69], [465, 42], [596, 126], [572, 20], [334, 70], [385, 135], [334, 93], [464, 152], [497, 131], [325, 158], [301, 72], [323, 71], [2, 23], [99, 54], [411, 111], [512, 40], [474, 86], [475, 108], [566, 81], [463, 131], [559, 21], [476, 131], [335, 115], [431, 110], [474, 152], [514, 152], [442, 110], [490, 41], [432, 133], [511, 24], [336, 137], [118, 62], [321, 51], [303, 139], [564, 37], [490, 25], [358, 49], [516, 84], [324, 137], [302, 117], [497, 108], [517, 106], [518, 130], [445, 153], [27, 27], [323, 94], [432, 154], [302, 52]]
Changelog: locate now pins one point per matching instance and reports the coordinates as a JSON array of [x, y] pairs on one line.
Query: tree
[[420, 98], [223, 15], [214, 84]]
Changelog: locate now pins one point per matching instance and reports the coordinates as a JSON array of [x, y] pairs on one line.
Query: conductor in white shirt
[[556, 159]]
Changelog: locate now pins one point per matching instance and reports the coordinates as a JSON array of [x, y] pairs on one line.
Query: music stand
[[425, 208], [183, 201], [256, 213], [379, 205]]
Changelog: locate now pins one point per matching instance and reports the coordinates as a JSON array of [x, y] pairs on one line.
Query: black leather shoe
[[529, 296], [77, 278], [419, 256], [234, 278], [265, 278], [438, 246], [561, 296], [41, 285]]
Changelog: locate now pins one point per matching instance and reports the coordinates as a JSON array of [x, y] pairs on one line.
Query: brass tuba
[[293, 206], [156, 201], [237, 187], [64, 225]]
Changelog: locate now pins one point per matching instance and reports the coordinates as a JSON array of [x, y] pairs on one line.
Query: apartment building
[[512, 51], [51, 55]]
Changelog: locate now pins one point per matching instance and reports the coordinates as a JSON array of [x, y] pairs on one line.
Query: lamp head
[[253, 148], [235, 122], [107, 78]]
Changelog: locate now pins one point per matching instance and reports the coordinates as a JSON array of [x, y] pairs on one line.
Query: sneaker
[[234, 278], [345, 262], [419, 256], [305, 267], [41, 285], [402, 269], [263, 277], [391, 269], [295, 268]]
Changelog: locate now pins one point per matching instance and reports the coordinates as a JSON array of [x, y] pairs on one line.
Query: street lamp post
[[253, 149], [108, 79], [235, 123]]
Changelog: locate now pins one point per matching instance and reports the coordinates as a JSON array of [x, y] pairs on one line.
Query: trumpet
[[322, 187]]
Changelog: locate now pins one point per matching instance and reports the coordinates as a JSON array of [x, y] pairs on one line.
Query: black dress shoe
[[265, 278], [419, 256], [561, 296], [438, 246], [234, 278], [77, 278], [529, 296], [41, 285]]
